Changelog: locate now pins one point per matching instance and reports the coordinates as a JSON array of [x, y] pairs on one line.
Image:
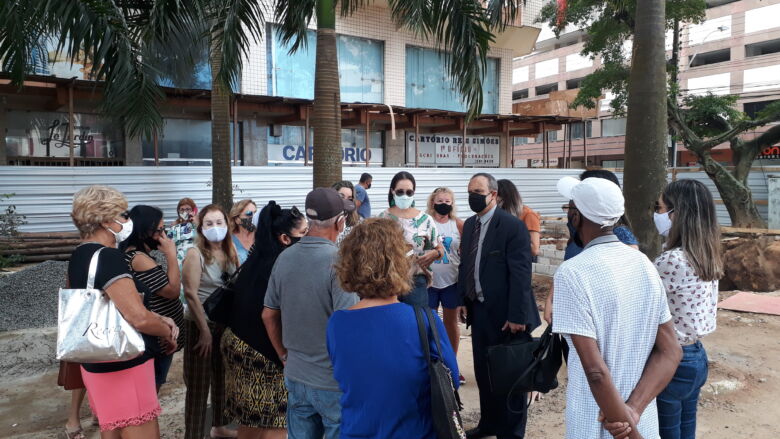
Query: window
[[572, 84], [576, 129], [43, 134], [520, 141], [519, 94], [546, 89], [714, 57], [429, 86], [552, 136], [613, 164], [613, 127], [199, 77], [361, 68], [182, 142], [753, 108], [762, 48]]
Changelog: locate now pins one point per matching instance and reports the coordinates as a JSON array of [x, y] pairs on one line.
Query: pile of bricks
[[552, 248]]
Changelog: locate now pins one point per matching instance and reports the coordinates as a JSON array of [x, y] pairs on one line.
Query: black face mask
[[247, 224], [151, 243], [294, 239], [477, 202], [442, 208], [368, 186], [575, 237]]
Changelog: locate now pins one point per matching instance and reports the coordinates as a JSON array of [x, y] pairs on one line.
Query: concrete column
[[255, 143], [395, 155], [134, 155], [3, 131]]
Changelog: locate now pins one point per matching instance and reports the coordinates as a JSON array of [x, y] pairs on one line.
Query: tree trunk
[[735, 193], [646, 127], [221, 174], [326, 114]]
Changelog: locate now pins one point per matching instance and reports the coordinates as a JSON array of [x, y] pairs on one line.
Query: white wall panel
[[546, 68]]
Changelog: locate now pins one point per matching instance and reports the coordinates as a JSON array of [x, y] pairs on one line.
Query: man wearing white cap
[[611, 306]]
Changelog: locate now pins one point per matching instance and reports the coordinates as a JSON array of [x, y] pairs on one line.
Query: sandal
[[74, 434]]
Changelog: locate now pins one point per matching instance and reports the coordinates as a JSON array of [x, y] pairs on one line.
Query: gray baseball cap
[[325, 203]]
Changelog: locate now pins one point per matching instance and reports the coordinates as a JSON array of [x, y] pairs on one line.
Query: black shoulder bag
[[445, 402], [219, 305]]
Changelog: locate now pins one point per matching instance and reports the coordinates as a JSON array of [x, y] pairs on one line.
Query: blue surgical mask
[[403, 201]]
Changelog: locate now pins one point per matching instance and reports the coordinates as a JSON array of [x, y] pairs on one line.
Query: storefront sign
[[770, 153], [294, 154], [38, 134], [449, 150]]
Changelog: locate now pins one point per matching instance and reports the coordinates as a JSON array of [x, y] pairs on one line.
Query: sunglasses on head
[[407, 192]]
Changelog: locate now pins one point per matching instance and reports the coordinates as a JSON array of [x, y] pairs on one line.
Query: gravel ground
[[28, 298]]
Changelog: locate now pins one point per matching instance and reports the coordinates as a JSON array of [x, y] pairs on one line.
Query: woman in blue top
[[375, 347], [242, 229]]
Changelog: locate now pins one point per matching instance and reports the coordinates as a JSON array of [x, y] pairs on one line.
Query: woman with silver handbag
[[101, 314]]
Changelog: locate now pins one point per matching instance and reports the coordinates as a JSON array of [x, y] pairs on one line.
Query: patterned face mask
[[248, 225]]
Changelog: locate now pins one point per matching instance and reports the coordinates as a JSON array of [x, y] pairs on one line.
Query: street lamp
[[703, 40]]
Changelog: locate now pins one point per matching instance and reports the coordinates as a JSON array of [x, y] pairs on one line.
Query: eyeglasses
[[160, 230], [125, 214], [657, 208], [566, 208], [401, 192]]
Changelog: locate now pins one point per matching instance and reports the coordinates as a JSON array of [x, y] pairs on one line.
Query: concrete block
[[543, 261]]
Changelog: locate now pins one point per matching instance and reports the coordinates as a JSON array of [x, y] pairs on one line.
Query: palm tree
[[123, 39], [646, 125], [462, 27]]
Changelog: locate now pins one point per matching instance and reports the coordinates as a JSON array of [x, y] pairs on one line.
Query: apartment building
[[388, 76], [736, 50]]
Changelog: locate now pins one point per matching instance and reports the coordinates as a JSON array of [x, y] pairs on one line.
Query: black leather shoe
[[477, 433]]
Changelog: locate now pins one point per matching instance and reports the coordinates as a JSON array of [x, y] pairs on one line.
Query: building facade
[[381, 68], [735, 51]]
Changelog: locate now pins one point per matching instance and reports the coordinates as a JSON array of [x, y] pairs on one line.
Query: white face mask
[[403, 201], [215, 234], [185, 216], [127, 230], [663, 223]]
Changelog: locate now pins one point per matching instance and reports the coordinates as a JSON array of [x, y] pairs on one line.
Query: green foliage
[[608, 26], [10, 221], [709, 115]]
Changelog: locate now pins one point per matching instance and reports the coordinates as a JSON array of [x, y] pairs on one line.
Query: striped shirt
[[155, 280]]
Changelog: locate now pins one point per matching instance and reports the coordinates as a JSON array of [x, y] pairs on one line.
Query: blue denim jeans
[[419, 294], [312, 413], [678, 401]]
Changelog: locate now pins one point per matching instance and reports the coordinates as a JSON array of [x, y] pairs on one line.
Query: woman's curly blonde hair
[[372, 260], [95, 205]]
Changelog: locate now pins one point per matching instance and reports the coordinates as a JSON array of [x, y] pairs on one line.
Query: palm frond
[[22, 38], [294, 17], [235, 26], [502, 13], [460, 27]]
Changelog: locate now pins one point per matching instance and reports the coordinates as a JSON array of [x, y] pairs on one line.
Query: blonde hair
[[237, 211], [95, 205], [432, 197], [227, 244], [372, 260]]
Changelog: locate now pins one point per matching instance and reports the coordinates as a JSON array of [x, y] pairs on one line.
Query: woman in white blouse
[[690, 268]]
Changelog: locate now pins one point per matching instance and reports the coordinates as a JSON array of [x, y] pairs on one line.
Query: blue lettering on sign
[[287, 152], [301, 153]]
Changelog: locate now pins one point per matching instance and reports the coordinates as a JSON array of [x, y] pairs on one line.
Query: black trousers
[[495, 416]]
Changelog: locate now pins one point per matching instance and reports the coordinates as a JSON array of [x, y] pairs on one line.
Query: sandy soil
[[740, 399]]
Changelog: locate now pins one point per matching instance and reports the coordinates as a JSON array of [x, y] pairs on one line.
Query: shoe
[[462, 379], [477, 433]]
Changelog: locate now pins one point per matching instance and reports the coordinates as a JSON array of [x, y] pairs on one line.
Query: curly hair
[[442, 190], [372, 260], [95, 205]]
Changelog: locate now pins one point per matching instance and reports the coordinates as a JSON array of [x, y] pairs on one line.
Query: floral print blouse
[[420, 232], [692, 301]]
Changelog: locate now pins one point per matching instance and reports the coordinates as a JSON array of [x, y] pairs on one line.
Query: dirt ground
[[740, 399]]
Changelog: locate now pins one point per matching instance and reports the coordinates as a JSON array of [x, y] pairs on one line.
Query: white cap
[[598, 199]]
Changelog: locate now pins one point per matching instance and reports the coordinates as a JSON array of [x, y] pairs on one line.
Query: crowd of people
[[321, 338]]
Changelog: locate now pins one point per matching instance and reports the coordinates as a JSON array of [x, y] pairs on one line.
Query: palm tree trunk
[[646, 127], [326, 114], [221, 175]]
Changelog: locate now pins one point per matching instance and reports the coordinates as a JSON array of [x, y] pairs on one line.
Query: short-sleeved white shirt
[[612, 293]]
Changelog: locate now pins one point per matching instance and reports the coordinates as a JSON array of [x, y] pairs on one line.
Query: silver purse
[[90, 329]]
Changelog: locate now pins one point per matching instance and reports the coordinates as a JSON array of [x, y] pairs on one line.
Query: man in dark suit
[[494, 281]]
